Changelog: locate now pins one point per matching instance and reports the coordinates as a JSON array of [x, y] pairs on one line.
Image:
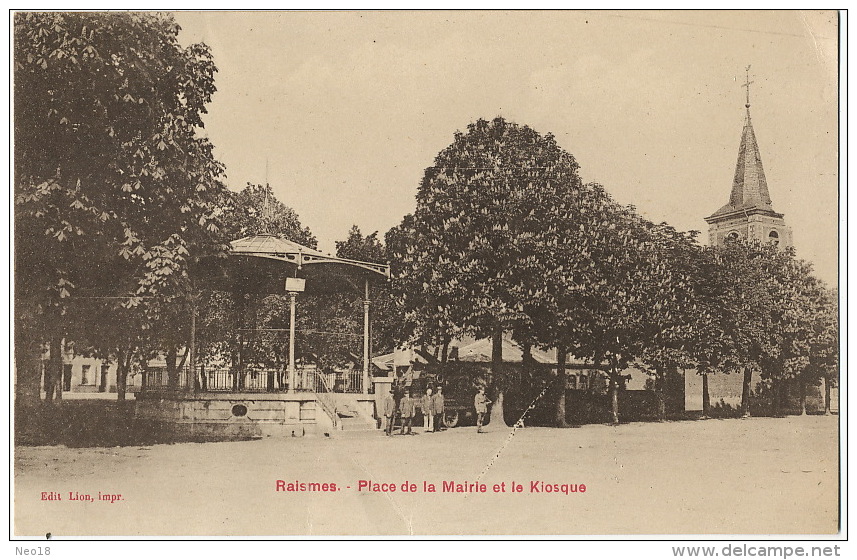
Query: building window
[[84, 374], [774, 237], [732, 236]]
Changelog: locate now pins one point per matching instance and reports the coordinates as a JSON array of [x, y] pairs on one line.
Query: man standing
[[481, 403], [390, 412], [437, 405], [408, 407], [428, 412]]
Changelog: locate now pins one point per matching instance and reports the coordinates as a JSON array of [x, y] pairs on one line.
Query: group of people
[[431, 404], [432, 407]]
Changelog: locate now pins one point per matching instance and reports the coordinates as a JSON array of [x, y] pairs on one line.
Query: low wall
[[238, 415]]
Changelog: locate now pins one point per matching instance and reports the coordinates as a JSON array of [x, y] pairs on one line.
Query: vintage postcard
[[385, 274]]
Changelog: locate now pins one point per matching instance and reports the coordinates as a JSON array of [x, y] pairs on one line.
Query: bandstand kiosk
[[247, 401]]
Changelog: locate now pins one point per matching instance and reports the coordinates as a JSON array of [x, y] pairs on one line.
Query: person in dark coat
[[437, 405], [390, 412], [408, 408], [481, 403], [428, 411]]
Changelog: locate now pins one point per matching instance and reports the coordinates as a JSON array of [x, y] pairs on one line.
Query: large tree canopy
[[116, 193], [478, 237], [478, 227]]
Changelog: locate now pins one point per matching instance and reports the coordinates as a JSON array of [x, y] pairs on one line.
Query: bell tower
[[749, 214]]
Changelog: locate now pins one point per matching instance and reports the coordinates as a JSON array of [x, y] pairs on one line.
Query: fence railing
[[327, 399], [254, 380]]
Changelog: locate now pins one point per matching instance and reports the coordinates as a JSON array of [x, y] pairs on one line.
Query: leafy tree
[[733, 318], [623, 294], [256, 210], [464, 252], [797, 302], [824, 347], [821, 346], [387, 315], [760, 309], [423, 325], [358, 247], [115, 193], [126, 346], [670, 290], [571, 262]]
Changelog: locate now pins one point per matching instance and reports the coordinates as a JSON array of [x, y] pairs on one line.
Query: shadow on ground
[[91, 423]]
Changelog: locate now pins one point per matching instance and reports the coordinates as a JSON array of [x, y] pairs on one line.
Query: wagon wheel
[[450, 418]]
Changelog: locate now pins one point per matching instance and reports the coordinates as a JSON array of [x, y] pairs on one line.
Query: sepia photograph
[[427, 274]]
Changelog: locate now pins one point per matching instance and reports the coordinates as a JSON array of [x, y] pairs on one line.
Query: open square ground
[[776, 476]]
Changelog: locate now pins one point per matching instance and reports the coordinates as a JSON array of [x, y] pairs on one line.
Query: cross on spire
[[747, 85]]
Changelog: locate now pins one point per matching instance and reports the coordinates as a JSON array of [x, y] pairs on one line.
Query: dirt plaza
[[755, 476]]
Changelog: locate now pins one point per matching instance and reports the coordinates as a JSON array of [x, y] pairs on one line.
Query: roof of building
[[478, 351], [749, 187], [270, 246]]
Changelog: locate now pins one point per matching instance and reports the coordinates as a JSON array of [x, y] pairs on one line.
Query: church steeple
[[749, 187], [748, 213]]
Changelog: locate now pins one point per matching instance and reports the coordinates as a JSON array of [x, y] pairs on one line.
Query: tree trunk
[[444, 354], [172, 371], [777, 404], [60, 384], [706, 398], [102, 381], [53, 373], [826, 396], [745, 392], [497, 417], [121, 382], [28, 372], [802, 397], [614, 401], [123, 364], [614, 391], [47, 380], [29, 417], [561, 418], [191, 376], [659, 395]]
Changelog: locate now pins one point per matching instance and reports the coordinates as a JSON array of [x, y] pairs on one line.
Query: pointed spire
[[749, 186]]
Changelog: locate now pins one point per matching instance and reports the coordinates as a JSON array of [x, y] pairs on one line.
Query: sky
[[341, 112]]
